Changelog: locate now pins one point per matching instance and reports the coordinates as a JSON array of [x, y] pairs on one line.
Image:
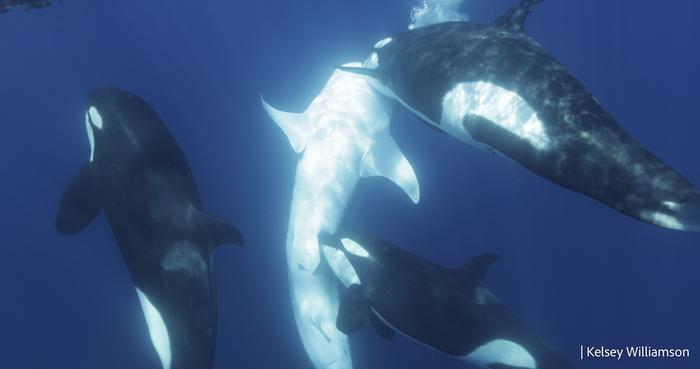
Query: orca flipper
[[477, 267], [295, 126], [515, 17], [79, 205], [383, 330], [385, 159], [354, 310]]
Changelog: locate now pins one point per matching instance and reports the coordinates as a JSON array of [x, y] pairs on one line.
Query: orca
[[449, 310], [6, 5], [138, 175], [495, 87], [342, 137]]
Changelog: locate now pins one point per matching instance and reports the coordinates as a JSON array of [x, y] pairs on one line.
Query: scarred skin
[[342, 136], [586, 150]]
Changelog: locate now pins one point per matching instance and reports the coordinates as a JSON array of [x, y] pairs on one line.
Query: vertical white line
[[581, 352]]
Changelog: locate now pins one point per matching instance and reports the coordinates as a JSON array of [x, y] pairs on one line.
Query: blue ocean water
[[578, 272]]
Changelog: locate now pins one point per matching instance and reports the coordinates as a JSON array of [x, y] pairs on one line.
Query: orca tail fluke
[[295, 126]]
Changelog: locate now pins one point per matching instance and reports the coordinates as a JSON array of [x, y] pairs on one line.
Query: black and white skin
[[449, 310], [138, 175], [495, 87]]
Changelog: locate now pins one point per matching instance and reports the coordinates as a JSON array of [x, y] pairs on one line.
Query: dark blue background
[[577, 271]]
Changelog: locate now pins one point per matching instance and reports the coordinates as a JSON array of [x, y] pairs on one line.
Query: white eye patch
[[381, 43], [95, 117], [354, 248]]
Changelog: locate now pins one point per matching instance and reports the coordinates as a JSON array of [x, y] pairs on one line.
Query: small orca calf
[[449, 310], [140, 177], [495, 87]]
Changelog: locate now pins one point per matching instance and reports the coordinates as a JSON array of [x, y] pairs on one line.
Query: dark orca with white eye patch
[[140, 178], [449, 310], [495, 87]]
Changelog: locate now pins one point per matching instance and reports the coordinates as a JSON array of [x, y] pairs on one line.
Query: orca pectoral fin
[[385, 159], [478, 267], [79, 204], [295, 126], [383, 330], [354, 311]]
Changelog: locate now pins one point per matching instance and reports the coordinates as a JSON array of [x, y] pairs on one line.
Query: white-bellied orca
[[138, 175], [495, 87], [449, 310], [342, 136]]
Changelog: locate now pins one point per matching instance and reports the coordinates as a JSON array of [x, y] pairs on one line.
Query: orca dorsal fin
[[477, 267], [385, 159], [218, 231], [223, 233], [515, 17], [296, 126]]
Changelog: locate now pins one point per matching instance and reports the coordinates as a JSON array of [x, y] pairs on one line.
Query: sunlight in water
[[429, 12]]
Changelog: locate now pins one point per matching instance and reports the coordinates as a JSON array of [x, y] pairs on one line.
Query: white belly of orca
[[496, 104], [156, 329], [495, 352], [501, 351], [344, 136]]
